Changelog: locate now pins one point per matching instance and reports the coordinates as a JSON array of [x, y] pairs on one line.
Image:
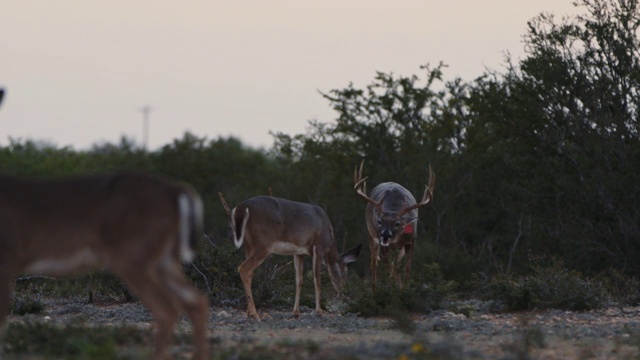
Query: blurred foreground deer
[[137, 226]]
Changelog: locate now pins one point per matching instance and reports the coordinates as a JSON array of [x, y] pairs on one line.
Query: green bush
[[427, 290], [215, 272], [30, 305], [71, 341], [549, 284], [624, 290], [96, 285]]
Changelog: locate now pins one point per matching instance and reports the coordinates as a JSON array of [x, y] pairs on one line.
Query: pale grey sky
[[78, 72]]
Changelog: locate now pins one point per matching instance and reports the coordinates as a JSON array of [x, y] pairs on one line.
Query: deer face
[[390, 226], [337, 265]]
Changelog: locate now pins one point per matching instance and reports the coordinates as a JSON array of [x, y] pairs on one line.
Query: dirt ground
[[612, 333], [608, 334]]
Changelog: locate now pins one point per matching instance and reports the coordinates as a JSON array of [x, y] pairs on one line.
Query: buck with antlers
[[137, 226], [391, 216], [269, 225]]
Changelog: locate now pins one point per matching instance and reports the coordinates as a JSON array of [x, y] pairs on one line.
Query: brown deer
[[135, 225], [391, 216], [270, 225]]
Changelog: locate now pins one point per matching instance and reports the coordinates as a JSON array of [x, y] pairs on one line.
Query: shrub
[[548, 285], [426, 291], [215, 271], [30, 305], [70, 342], [624, 290]]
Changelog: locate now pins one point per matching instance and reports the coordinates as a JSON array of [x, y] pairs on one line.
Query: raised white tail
[[191, 216]]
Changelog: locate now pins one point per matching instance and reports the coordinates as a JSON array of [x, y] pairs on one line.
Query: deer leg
[[298, 264], [246, 274], [191, 301], [374, 247], [148, 286], [407, 266], [395, 261], [317, 271]]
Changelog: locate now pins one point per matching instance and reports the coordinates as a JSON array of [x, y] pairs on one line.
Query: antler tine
[[224, 203], [361, 185], [432, 181], [427, 196]]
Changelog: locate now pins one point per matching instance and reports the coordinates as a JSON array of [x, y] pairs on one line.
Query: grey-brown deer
[[391, 216], [270, 225], [137, 226]]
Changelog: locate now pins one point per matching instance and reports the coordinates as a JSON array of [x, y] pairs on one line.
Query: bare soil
[[612, 333]]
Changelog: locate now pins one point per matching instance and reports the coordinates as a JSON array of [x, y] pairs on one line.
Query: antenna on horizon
[[146, 110]]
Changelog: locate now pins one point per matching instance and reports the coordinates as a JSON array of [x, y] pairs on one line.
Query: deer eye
[[379, 222], [397, 224]]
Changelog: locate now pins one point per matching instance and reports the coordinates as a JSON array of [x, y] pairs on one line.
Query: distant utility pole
[[146, 110]]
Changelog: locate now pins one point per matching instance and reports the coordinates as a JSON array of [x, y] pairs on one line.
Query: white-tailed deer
[[269, 225], [137, 226], [391, 216]]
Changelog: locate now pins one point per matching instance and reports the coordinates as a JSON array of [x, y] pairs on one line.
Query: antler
[[428, 194], [361, 185], [224, 203]]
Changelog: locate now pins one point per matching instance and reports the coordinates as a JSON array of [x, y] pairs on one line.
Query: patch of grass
[[215, 272], [96, 284], [281, 350], [624, 290], [531, 338], [27, 305], [72, 341], [549, 285], [426, 291]]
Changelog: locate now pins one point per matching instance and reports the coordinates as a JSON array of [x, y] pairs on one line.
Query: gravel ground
[[612, 333]]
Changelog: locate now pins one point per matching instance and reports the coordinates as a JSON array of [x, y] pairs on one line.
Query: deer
[[391, 216], [269, 225], [138, 226]]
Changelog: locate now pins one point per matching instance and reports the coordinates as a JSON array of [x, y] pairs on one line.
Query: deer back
[[274, 220], [72, 223]]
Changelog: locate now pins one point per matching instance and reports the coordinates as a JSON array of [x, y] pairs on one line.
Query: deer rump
[[289, 227]]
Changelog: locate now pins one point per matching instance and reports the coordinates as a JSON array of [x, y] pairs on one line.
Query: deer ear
[[352, 254]]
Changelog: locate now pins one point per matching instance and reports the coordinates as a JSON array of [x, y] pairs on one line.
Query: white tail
[[284, 227], [137, 226], [191, 218], [238, 234]]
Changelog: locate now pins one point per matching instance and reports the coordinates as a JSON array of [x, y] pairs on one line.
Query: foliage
[[388, 298], [70, 342], [548, 285], [29, 305]]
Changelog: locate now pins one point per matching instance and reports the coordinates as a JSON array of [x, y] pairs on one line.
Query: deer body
[[268, 225], [137, 226], [391, 216]]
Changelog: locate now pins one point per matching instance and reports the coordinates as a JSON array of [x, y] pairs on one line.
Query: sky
[[79, 72]]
